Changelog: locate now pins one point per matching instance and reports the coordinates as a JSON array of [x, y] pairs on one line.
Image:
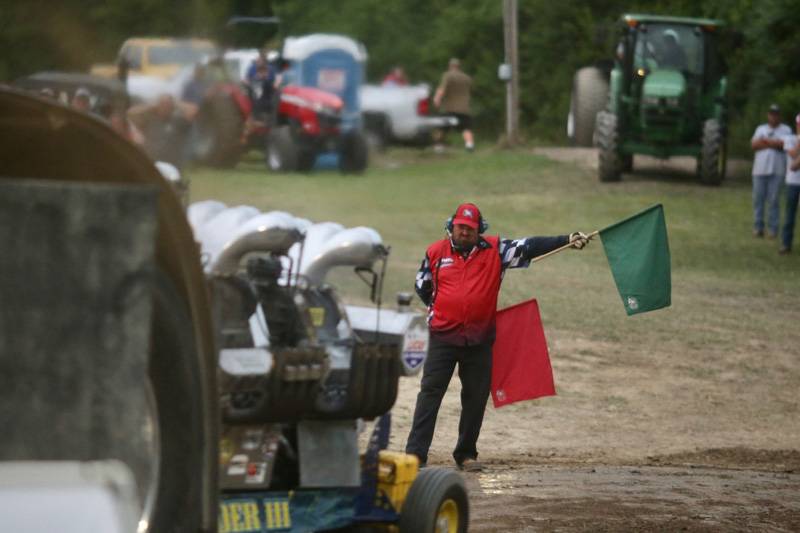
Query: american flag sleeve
[[517, 253], [424, 283]]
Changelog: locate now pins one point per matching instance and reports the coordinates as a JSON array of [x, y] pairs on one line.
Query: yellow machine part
[[396, 472]]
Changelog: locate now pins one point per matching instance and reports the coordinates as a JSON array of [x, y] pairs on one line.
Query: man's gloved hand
[[578, 240]]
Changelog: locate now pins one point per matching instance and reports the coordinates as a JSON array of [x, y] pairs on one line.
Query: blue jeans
[[792, 196], [766, 189]]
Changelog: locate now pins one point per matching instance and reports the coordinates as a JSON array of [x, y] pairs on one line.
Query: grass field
[[728, 288]]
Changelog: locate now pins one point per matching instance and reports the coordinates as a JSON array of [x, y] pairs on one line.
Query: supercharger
[[290, 351]]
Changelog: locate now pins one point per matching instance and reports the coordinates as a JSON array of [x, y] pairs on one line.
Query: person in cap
[[769, 169], [82, 100], [452, 96], [459, 281], [672, 55], [791, 146]]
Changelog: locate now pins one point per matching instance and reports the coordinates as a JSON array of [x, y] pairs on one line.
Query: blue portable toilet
[[331, 63]]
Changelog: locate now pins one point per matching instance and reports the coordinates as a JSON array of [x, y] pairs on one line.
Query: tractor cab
[[670, 76], [663, 95]]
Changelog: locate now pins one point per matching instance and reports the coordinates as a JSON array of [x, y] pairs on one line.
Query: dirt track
[[638, 443]]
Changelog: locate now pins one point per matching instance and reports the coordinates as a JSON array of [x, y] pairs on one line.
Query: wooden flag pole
[[561, 249]]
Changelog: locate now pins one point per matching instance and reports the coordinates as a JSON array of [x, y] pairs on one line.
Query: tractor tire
[[376, 131], [283, 153], [218, 132], [627, 162], [306, 157], [437, 501], [353, 153], [610, 160], [589, 96], [173, 497], [712, 163]]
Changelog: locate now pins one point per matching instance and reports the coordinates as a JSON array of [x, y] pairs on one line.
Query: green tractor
[[664, 96]]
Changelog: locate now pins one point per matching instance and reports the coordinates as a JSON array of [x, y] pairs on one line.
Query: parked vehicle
[[667, 96], [107, 95], [318, 118], [161, 57], [399, 114]]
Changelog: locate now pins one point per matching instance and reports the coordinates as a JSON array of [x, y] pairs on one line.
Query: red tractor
[[318, 115]]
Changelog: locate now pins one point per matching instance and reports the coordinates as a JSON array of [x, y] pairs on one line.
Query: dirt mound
[[747, 458]]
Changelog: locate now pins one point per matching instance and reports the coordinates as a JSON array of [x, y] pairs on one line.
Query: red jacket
[[464, 301]]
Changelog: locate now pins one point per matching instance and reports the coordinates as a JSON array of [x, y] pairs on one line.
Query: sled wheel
[[437, 503]]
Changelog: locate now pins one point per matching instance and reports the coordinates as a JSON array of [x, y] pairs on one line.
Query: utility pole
[[512, 59]]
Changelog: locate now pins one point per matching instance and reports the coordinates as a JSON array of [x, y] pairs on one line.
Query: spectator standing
[[453, 97], [791, 146], [252, 74], [395, 78], [673, 56], [769, 168], [194, 92]]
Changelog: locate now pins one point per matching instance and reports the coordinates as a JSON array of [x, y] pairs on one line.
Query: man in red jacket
[[459, 281]]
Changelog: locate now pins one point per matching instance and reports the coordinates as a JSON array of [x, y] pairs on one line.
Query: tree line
[[555, 38]]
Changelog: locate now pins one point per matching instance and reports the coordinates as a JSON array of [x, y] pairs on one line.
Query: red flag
[[521, 364]]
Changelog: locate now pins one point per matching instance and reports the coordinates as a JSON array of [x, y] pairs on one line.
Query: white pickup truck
[[399, 114]]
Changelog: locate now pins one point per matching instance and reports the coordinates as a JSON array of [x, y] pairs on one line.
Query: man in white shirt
[[769, 168], [791, 146]]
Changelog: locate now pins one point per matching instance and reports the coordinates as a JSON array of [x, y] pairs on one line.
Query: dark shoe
[[757, 233], [772, 236], [470, 465], [784, 250]]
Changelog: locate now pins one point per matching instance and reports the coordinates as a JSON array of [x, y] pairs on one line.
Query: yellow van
[[161, 57]]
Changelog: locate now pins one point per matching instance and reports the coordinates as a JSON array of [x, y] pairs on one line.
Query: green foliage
[[555, 38]]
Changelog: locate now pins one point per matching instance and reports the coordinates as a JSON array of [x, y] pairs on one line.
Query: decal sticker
[[238, 465], [256, 473], [415, 347]]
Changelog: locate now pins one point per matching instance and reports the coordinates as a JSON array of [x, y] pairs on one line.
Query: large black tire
[[218, 132], [306, 157], [175, 497], [712, 163], [437, 501], [589, 96], [283, 153], [610, 160], [627, 162], [376, 131], [353, 152]]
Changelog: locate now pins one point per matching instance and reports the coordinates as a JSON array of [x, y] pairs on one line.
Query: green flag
[[638, 254]]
